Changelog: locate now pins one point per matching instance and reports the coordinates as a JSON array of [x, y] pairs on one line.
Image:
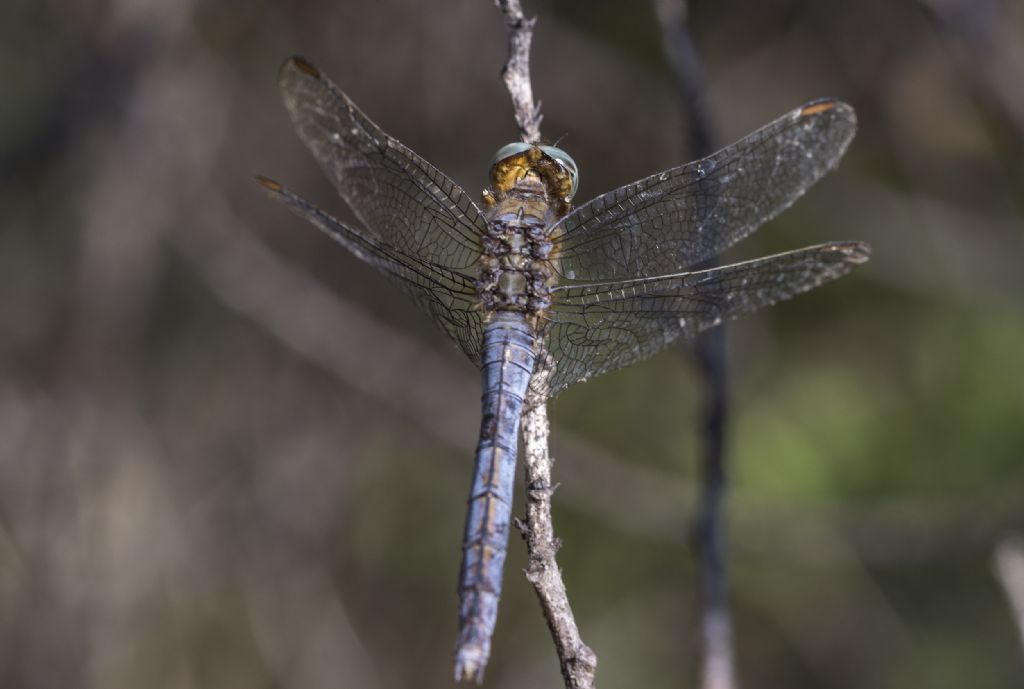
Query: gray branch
[[577, 660], [516, 72]]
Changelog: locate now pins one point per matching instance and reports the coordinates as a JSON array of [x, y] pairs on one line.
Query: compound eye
[[566, 162], [509, 150]]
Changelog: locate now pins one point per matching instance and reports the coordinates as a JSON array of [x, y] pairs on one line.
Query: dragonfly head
[[550, 166]]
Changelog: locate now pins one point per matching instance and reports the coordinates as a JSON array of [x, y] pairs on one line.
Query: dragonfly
[[523, 281]]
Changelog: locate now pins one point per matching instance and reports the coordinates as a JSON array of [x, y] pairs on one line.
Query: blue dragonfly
[[598, 287]]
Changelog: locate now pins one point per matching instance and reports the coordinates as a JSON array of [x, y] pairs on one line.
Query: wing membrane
[[404, 201], [668, 222], [447, 296], [604, 326]]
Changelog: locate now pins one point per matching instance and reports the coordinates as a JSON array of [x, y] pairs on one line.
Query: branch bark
[[516, 73], [577, 661]]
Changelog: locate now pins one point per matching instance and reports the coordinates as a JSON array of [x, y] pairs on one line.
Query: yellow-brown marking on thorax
[[534, 171]]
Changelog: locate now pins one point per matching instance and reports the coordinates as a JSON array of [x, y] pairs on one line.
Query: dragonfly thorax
[[530, 191], [542, 170], [531, 188], [515, 274]]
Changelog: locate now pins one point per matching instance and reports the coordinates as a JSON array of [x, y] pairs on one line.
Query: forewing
[[605, 326], [670, 221], [404, 201], [447, 296]]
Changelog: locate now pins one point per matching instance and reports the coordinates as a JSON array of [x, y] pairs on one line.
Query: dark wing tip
[[853, 253], [269, 184], [297, 62]]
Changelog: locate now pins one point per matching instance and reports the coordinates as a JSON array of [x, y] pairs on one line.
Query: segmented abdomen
[[508, 358]]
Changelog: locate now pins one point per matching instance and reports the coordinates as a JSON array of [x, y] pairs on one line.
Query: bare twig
[[516, 72], [1009, 569], [577, 660], [717, 661]]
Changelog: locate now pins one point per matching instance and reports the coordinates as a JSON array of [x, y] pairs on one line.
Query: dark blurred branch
[[1009, 570], [576, 659], [516, 72], [683, 58], [717, 670]]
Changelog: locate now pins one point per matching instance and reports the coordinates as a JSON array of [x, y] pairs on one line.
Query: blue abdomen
[[508, 358]]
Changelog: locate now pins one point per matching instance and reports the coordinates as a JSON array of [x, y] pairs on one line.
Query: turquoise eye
[[563, 159], [509, 150], [567, 163]]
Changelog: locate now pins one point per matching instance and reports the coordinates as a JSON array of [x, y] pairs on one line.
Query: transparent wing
[[605, 326], [403, 201], [668, 222], [447, 296]]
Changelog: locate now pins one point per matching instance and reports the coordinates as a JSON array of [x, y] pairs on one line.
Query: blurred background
[[232, 456]]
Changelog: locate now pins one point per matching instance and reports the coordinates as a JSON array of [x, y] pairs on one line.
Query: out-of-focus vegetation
[[232, 456]]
